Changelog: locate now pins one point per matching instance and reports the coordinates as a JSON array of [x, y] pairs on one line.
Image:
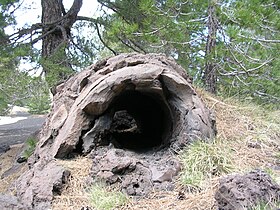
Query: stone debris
[[246, 191]]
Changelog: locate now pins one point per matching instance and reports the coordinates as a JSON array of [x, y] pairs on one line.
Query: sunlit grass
[[102, 198], [202, 161]]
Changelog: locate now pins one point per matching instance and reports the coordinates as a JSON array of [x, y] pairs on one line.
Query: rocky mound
[[246, 191], [128, 113]]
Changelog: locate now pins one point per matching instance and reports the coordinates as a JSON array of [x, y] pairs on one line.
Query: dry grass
[[171, 200], [78, 193], [250, 132], [6, 162], [74, 195]]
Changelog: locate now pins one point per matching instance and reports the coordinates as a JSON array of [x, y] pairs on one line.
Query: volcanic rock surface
[[246, 191], [129, 114]]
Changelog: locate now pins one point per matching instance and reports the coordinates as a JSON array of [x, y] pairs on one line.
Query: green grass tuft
[[103, 199], [31, 143], [202, 160]]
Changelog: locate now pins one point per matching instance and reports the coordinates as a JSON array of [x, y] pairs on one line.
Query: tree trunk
[[57, 26], [210, 74]]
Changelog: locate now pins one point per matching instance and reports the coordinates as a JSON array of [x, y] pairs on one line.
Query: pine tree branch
[[103, 42], [246, 71], [260, 40], [138, 46], [66, 21], [42, 36], [277, 99], [25, 31], [128, 45], [83, 18]]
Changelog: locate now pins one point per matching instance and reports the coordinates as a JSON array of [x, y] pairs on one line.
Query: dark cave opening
[[141, 121]]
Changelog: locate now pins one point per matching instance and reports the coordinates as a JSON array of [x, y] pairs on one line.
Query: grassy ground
[[248, 138]]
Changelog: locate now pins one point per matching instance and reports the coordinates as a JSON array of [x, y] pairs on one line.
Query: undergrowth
[[101, 198], [31, 143], [248, 138], [202, 161]]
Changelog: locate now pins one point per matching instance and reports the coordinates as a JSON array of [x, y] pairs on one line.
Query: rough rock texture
[[128, 113], [137, 173], [36, 187], [9, 202], [89, 96], [245, 191], [4, 148]]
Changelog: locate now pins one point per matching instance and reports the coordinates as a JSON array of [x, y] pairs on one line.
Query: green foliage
[[246, 66], [202, 161], [6, 16], [88, 50], [3, 105], [57, 66], [39, 100], [39, 105], [156, 26], [249, 66], [245, 57], [19, 88], [31, 143], [103, 199]]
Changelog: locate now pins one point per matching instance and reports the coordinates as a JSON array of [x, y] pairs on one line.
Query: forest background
[[228, 47]]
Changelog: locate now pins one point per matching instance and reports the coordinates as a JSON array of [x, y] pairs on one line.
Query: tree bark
[[210, 74], [57, 26]]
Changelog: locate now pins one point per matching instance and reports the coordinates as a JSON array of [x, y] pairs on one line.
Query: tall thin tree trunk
[[57, 26], [210, 73]]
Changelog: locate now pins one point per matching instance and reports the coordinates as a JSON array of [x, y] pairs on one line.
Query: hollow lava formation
[[129, 114]]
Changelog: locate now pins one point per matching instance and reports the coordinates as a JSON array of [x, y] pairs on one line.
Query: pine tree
[[229, 47]]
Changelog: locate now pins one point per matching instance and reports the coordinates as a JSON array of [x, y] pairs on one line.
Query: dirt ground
[[9, 169]]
